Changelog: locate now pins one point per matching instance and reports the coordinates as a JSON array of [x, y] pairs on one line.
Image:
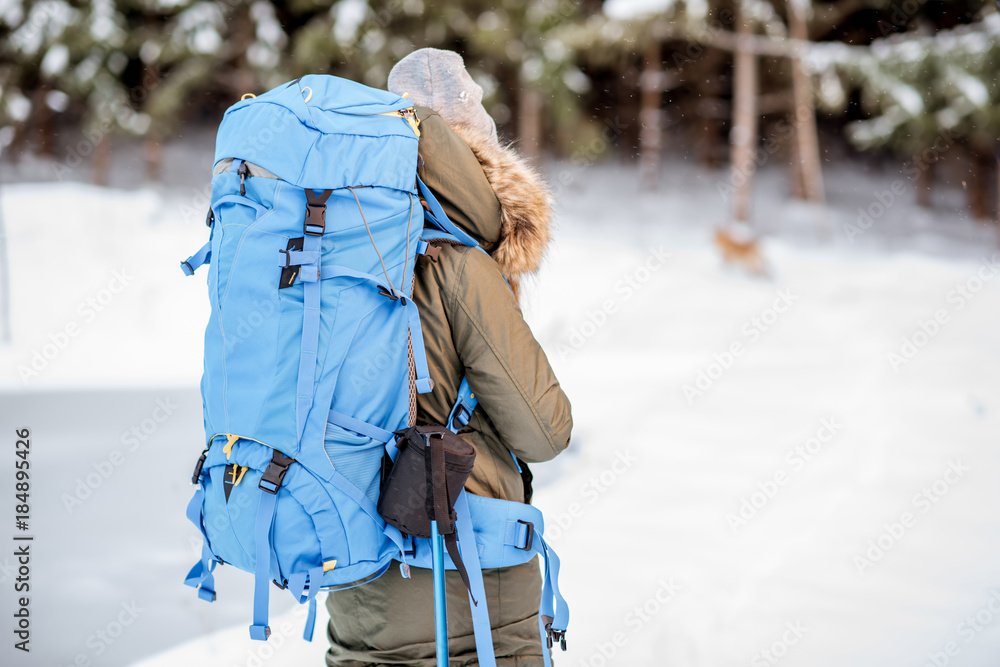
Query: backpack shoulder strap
[[440, 219]]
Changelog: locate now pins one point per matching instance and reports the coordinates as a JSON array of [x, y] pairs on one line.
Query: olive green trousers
[[390, 621]]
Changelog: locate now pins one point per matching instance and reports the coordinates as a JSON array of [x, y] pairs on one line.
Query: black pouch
[[429, 472]]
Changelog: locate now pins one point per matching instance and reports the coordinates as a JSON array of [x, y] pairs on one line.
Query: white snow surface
[[868, 535]]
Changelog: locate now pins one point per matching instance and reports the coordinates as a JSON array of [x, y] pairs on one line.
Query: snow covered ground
[[798, 470]]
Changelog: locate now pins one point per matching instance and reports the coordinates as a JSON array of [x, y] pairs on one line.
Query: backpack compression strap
[[553, 612], [313, 228]]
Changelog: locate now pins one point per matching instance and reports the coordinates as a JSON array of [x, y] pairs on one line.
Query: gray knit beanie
[[437, 79]]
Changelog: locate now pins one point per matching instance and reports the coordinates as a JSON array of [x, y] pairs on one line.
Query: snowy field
[[799, 470]]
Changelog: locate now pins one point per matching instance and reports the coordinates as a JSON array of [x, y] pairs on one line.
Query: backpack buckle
[[198, 466], [271, 480], [553, 635], [315, 223], [529, 538], [433, 251]]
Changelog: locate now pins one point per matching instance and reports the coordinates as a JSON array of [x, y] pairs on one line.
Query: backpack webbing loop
[[313, 227], [262, 578]]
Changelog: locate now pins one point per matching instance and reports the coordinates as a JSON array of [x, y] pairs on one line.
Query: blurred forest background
[[656, 122], [634, 80]]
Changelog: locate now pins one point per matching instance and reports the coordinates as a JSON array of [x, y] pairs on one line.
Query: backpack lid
[[324, 132]]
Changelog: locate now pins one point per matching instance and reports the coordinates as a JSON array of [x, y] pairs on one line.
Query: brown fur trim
[[525, 205]]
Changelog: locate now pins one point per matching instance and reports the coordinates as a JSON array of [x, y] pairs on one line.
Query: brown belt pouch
[[429, 472]]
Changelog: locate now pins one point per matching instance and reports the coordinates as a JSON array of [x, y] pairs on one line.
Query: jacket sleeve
[[506, 367]]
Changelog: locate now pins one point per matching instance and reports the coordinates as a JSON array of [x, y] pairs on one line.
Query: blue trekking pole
[[440, 603]]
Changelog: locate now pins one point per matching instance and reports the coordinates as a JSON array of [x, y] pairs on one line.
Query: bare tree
[[743, 136], [651, 134], [806, 136]]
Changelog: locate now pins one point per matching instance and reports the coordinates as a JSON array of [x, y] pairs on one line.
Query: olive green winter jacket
[[471, 321], [472, 326]]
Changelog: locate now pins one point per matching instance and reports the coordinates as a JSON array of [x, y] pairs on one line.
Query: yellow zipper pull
[[230, 439], [410, 116]]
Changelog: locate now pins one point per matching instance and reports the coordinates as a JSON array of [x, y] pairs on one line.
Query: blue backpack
[[314, 355]]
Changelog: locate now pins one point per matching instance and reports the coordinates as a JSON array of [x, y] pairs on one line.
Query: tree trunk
[[925, 179], [709, 143], [102, 160], [804, 121], [530, 123], [979, 185], [651, 134], [795, 169], [43, 121], [997, 218], [154, 156], [708, 76], [743, 136], [244, 81]]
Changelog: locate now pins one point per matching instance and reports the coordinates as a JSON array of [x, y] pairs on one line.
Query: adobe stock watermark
[[784, 128], [796, 458], [591, 491], [883, 200], [39, 15], [219, 522], [119, 112], [752, 329], [928, 329], [778, 649], [8, 569], [130, 440], [923, 501], [634, 621], [247, 324], [624, 289], [87, 310], [968, 630], [104, 637], [586, 155], [261, 652], [693, 48]]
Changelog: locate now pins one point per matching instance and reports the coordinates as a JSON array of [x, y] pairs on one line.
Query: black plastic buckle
[[190, 269], [275, 473], [287, 258], [554, 635], [209, 218], [531, 535], [315, 225], [198, 466]]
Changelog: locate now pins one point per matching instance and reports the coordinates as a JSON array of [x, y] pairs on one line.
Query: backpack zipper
[[408, 114]]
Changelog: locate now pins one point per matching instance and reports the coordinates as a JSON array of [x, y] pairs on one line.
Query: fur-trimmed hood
[[520, 242]]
